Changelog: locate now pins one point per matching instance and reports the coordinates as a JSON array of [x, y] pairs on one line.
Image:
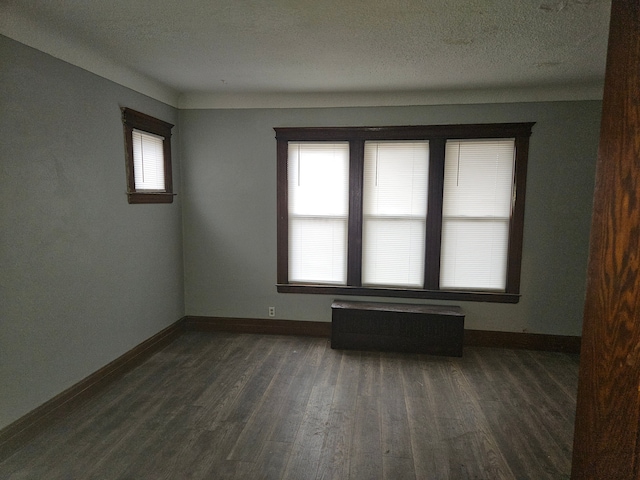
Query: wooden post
[[606, 443]]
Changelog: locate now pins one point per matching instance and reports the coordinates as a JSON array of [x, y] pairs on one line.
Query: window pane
[[476, 213], [317, 250], [478, 178], [148, 161], [318, 178], [318, 195], [393, 253], [394, 210], [474, 254], [395, 178]]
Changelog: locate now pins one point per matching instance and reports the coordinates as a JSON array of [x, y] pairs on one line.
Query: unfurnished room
[[319, 239]]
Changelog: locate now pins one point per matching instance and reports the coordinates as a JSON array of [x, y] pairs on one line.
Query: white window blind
[[394, 213], [148, 161], [318, 196], [476, 212]]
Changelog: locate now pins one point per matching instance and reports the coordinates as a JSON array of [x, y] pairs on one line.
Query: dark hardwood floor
[[225, 405]]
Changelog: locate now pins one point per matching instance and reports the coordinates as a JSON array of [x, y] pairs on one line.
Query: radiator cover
[[430, 329]]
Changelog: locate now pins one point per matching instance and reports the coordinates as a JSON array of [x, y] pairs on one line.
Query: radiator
[[430, 329]]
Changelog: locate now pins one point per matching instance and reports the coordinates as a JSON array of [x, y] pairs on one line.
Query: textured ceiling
[[302, 46]]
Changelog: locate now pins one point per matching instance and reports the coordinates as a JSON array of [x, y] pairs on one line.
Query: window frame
[[132, 119], [437, 135]]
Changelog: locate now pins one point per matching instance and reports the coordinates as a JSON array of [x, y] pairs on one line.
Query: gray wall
[[84, 276], [229, 211]]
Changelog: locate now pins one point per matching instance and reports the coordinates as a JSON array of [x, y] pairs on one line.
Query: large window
[[147, 143], [420, 211]]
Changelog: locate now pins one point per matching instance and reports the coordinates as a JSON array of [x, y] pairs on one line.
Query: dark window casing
[[437, 135], [131, 120]]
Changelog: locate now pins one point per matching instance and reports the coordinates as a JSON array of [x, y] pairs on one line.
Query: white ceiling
[[185, 52]]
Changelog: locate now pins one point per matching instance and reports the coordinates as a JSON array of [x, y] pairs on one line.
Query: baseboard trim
[[258, 325], [472, 338], [19, 432], [526, 341]]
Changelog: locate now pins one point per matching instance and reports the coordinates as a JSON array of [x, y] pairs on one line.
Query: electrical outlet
[[272, 311]]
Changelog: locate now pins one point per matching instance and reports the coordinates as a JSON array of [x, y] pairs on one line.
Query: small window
[[148, 158]]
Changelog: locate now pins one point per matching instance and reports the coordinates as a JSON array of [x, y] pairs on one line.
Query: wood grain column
[[606, 441]]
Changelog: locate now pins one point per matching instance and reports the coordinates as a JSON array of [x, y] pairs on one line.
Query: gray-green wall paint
[[84, 276], [230, 209]]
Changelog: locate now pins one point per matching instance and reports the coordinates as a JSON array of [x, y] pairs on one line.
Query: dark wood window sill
[[150, 197], [494, 297]]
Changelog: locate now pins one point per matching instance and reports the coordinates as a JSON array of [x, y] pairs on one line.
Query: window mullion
[[354, 255], [434, 214]]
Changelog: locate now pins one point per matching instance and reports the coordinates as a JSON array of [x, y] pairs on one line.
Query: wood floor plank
[[251, 388], [260, 424], [270, 463], [327, 365], [366, 435], [365, 466], [237, 406], [196, 456], [430, 453], [394, 421], [515, 426], [557, 381], [292, 401], [413, 380], [226, 470], [395, 467], [234, 395], [226, 434], [558, 406], [336, 449], [366, 456], [237, 365], [369, 383], [162, 449], [488, 461], [453, 431], [335, 453], [305, 454]]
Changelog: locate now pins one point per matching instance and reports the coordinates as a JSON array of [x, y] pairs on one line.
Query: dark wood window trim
[[131, 120], [437, 136]]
